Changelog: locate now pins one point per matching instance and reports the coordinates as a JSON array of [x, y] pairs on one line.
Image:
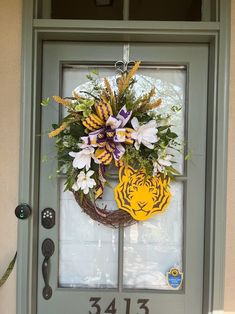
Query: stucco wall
[[230, 242], [10, 43], [10, 48]]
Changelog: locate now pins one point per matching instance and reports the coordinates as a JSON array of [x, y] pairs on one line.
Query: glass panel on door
[[90, 252]]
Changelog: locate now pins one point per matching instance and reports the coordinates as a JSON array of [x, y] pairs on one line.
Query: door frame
[[217, 36]]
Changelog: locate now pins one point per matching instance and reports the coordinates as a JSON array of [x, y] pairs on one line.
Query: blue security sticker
[[174, 278]]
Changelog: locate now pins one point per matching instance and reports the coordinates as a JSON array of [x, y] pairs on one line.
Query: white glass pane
[[88, 251], [153, 247], [170, 84], [74, 76], [108, 196]]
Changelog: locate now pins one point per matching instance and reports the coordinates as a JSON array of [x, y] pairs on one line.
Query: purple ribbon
[[112, 135]]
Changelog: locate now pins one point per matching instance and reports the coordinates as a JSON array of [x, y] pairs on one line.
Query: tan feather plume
[[109, 88], [152, 106], [120, 83], [58, 130], [146, 98], [131, 74], [62, 101], [124, 81]]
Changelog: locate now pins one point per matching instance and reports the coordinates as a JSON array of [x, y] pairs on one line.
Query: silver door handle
[[48, 249]]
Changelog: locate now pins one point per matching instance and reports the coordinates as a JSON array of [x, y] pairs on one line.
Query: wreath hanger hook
[[122, 65]]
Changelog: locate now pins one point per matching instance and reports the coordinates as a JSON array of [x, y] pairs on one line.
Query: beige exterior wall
[[230, 241], [10, 50], [10, 43]]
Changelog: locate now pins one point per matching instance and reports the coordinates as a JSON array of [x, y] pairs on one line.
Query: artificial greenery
[[72, 133]]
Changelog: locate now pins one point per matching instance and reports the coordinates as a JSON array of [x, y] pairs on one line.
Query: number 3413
[[111, 309]]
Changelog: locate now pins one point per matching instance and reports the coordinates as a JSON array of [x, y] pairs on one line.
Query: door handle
[[48, 248]]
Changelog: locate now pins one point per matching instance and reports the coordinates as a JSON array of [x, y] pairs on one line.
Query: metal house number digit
[[111, 309], [95, 305], [143, 306], [128, 305]]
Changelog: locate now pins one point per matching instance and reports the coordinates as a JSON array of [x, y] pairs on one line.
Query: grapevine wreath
[[112, 127]]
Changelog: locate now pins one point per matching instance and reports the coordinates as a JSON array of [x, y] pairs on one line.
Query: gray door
[[95, 269]]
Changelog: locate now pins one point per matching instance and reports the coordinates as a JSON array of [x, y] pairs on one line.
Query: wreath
[[111, 127]]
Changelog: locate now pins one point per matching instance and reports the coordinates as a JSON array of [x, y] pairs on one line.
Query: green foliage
[[71, 178], [144, 108], [189, 155], [45, 102], [85, 106], [76, 131], [176, 108]]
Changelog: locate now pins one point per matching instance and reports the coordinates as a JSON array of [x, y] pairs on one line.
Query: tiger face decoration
[[141, 196]]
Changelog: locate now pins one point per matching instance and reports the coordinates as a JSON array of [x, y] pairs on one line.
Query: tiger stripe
[[104, 156], [110, 147], [93, 122], [103, 110], [142, 196], [129, 139], [119, 163]]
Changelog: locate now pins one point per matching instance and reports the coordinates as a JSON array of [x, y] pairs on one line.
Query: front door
[[96, 269]]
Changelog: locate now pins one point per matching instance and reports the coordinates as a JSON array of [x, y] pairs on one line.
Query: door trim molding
[[217, 35]]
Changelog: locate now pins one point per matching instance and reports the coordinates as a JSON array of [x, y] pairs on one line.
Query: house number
[[111, 309]]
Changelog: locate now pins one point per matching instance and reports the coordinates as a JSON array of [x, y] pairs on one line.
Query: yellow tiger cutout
[[141, 196]]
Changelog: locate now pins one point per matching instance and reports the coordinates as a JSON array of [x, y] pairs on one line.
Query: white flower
[[84, 182], [83, 158], [145, 134], [161, 163]]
